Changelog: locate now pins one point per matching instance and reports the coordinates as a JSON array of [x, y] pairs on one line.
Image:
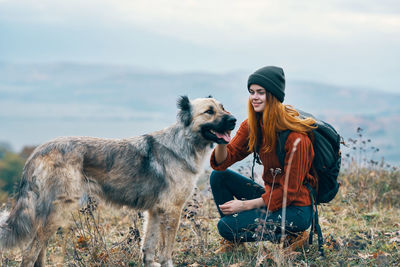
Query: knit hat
[[271, 78]]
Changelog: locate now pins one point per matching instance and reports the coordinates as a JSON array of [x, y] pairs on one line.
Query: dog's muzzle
[[219, 132]]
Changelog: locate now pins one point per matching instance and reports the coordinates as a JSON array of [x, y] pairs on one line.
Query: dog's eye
[[210, 111]]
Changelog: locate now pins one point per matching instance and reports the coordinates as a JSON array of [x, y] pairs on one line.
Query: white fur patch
[[3, 217]]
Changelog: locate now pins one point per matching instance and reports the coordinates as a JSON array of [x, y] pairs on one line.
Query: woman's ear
[[185, 110]]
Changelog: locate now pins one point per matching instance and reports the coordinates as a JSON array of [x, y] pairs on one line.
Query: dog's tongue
[[224, 136]]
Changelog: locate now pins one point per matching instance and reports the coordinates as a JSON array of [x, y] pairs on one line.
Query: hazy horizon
[[347, 43], [39, 102]]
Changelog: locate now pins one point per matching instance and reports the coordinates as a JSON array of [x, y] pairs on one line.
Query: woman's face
[[257, 97]]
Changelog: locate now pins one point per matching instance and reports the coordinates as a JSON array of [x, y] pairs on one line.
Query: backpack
[[327, 157], [325, 166]]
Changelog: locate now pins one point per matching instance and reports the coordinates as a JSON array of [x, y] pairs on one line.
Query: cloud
[[207, 22], [333, 41]]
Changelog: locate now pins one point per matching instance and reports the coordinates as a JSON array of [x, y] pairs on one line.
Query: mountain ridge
[[50, 100]]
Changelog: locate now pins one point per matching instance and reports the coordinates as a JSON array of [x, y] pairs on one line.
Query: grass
[[361, 227]]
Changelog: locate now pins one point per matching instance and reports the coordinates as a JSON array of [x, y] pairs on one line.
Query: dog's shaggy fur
[[154, 172]]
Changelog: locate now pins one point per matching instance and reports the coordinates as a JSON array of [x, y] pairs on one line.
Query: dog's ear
[[185, 110]]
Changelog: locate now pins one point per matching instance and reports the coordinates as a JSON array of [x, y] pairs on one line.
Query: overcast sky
[[352, 43]]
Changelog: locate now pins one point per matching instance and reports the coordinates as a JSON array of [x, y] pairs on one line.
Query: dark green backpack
[[327, 158], [325, 166]]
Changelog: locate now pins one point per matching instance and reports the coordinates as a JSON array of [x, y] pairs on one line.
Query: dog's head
[[207, 117]]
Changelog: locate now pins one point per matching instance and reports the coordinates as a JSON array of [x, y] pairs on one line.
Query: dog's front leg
[[169, 226], [151, 237]]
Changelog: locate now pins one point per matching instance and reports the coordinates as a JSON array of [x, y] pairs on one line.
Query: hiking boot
[[229, 246], [296, 241]]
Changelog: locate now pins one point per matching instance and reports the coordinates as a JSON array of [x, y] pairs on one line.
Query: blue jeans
[[256, 224]]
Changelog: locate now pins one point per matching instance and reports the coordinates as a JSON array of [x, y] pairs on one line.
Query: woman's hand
[[233, 206]]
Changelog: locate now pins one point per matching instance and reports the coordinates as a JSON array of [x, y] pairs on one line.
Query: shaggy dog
[[155, 172]]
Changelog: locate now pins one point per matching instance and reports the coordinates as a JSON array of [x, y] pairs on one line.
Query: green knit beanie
[[271, 78]]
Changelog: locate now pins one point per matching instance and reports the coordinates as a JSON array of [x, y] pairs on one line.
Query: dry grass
[[361, 226]]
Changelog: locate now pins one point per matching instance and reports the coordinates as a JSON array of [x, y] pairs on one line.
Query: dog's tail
[[17, 225]]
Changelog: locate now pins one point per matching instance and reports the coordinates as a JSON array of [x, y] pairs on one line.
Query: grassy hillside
[[361, 226]]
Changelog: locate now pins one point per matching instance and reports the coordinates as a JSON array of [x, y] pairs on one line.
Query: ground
[[361, 227]]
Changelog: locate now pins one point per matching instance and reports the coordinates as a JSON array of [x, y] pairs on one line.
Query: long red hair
[[275, 118]]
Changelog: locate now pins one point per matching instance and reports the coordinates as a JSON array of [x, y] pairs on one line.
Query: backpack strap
[[280, 150], [280, 146], [315, 227], [256, 157]]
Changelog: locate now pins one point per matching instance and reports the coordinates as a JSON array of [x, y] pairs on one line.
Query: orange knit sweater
[[297, 194]]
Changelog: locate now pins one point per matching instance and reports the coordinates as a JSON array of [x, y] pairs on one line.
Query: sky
[[354, 43]]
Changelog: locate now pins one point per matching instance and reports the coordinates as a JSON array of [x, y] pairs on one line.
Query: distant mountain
[[40, 102]]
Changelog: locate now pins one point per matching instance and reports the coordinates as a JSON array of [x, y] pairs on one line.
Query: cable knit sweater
[[297, 194]]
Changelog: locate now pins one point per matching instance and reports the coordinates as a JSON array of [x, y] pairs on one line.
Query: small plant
[[95, 242], [373, 183]]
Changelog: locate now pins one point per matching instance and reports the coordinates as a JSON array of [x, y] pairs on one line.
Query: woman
[[250, 212]]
